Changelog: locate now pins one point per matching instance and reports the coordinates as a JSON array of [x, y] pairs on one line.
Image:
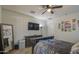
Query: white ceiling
[[25, 9]]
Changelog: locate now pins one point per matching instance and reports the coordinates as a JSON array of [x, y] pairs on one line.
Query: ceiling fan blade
[[43, 12], [45, 6], [57, 7], [52, 12]]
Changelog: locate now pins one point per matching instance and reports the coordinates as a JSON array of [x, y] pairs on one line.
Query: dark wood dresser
[[29, 40]]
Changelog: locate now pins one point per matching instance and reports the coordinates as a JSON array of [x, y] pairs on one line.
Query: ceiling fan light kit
[[49, 8]]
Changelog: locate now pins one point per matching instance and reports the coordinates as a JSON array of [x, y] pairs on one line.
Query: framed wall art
[[68, 25]]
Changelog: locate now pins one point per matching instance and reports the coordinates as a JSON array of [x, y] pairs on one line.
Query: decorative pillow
[[75, 49]]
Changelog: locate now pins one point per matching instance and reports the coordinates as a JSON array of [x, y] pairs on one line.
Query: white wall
[[20, 23], [66, 36], [51, 27], [20, 26]]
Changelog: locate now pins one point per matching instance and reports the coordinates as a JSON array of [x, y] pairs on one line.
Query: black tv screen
[[33, 26]]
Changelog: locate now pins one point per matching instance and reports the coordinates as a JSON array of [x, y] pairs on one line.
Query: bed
[[52, 46]]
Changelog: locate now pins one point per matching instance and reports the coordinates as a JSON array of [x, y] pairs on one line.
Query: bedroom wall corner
[[0, 13]]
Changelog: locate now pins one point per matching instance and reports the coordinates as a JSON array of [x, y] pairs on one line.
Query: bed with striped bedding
[[52, 46]]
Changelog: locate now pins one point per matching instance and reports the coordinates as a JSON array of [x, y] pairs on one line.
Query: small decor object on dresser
[[6, 37]]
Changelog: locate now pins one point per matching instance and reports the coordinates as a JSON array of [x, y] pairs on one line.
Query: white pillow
[[75, 49]]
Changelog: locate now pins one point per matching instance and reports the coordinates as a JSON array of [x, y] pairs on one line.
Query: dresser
[[29, 40]]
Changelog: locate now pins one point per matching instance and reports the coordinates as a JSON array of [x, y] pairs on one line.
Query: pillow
[[75, 49]]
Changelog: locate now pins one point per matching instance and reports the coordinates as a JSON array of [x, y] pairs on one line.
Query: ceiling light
[[49, 10]]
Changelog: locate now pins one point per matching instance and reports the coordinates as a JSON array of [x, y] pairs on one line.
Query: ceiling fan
[[49, 8]]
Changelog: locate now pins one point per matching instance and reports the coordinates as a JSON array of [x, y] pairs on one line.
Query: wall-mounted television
[[33, 26]]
